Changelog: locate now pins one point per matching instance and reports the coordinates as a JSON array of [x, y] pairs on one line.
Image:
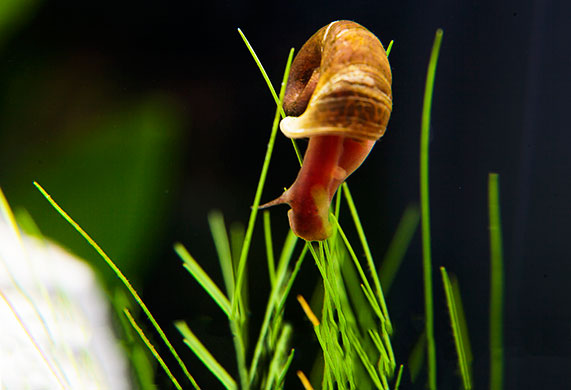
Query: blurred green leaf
[[114, 174], [13, 14]]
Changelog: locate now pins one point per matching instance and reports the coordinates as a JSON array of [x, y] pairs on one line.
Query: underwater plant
[[352, 324]]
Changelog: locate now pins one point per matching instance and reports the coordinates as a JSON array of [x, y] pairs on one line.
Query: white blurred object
[[55, 330]]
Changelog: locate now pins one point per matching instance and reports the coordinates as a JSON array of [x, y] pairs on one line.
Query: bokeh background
[[141, 117]]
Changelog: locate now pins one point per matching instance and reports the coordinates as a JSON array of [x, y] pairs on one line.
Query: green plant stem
[[257, 197], [151, 348], [425, 211], [496, 285], [271, 88]]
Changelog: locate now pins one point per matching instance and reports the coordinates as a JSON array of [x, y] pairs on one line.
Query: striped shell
[[340, 84]]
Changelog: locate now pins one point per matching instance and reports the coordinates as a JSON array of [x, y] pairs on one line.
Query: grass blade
[[222, 244], [281, 379], [368, 255], [399, 377], [366, 286], [257, 197], [417, 357], [205, 356], [264, 74], [151, 348], [269, 248], [496, 286], [292, 277], [279, 354], [238, 323], [425, 211], [271, 87], [121, 277], [390, 47], [272, 302], [398, 246], [203, 279], [451, 300]]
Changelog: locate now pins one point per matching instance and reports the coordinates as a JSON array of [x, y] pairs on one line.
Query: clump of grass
[[354, 329], [353, 325]]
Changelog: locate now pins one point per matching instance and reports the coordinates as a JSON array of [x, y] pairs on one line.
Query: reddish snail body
[[339, 96]]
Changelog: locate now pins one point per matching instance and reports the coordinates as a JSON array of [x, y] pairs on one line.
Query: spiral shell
[[340, 84]]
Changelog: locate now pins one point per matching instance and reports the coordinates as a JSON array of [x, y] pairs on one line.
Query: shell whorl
[[339, 84]]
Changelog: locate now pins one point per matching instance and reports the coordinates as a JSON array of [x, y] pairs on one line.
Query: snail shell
[[339, 96], [339, 84]]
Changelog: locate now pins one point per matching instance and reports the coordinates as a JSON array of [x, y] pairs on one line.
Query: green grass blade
[[257, 197], [286, 254], [390, 47], [272, 302], [205, 356], [141, 362], [399, 377], [496, 286], [121, 277], [368, 255], [462, 322], [269, 248], [425, 211], [398, 246], [417, 357], [356, 344], [222, 244], [151, 348], [237, 233], [292, 277], [238, 322], [264, 74], [279, 356], [271, 87], [285, 368], [203, 279], [376, 337], [370, 295], [456, 330]]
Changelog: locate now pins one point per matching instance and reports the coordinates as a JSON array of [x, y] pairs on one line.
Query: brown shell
[[339, 84]]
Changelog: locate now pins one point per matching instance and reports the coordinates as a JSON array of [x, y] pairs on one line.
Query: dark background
[[141, 117]]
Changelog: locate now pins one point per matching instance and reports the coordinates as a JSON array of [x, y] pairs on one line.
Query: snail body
[[339, 96]]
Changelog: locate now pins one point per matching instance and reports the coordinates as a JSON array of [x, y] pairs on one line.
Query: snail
[[339, 96]]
